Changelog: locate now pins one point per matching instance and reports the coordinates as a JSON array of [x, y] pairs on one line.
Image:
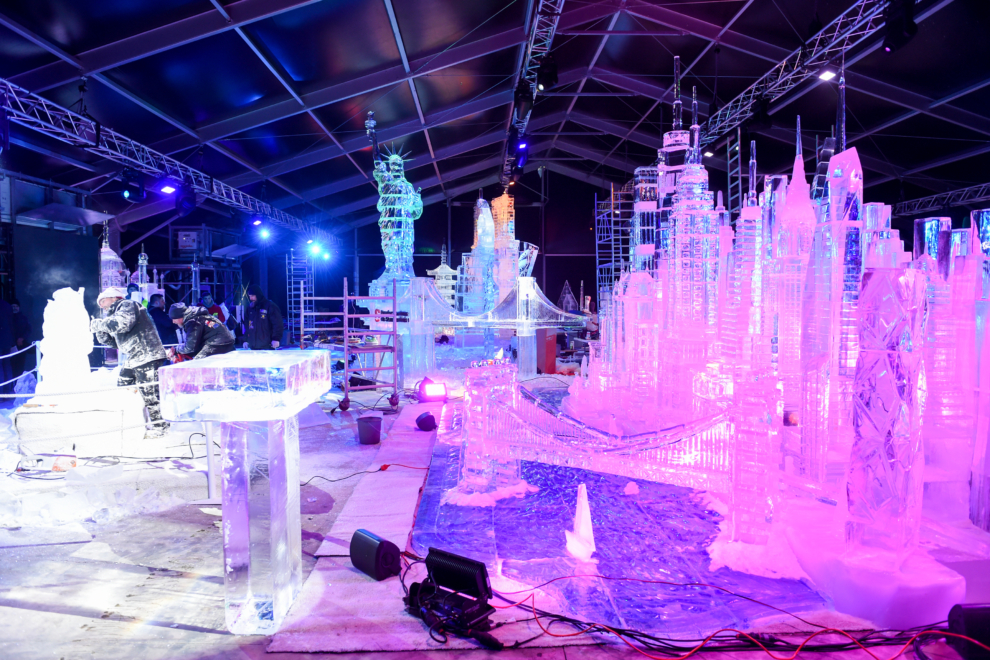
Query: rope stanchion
[[26, 348], [86, 435], [101, 391]]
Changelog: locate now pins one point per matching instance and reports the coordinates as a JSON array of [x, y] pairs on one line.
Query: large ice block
[[257, 397], [244, 386]]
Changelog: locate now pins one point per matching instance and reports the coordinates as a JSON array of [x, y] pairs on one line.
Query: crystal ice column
[[262, 531], [979, 495], [886, 464]]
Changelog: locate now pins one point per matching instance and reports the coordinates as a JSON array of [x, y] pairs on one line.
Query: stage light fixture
[[708, 154], [126, 194], [546, 75], [315, 248], [524, 100], [265, 233], [373, 555], [309, 242], [133, 185], [167, 189], [185, 201], [431, 391], [326, 255], [826, 75], [426, 422], [522, 155], [901, 28], [256, 223]]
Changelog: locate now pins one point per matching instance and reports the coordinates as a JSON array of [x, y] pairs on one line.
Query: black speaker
[[426, 422], [374, 555], [973, 621]]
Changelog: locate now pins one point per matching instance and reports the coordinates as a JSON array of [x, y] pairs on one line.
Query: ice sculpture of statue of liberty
[[400, 206]]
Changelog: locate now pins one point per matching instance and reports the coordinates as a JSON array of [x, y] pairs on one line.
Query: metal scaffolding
[[300, 288], [613, 218]]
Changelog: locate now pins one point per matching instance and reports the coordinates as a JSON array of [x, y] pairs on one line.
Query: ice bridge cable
[[39, 114]]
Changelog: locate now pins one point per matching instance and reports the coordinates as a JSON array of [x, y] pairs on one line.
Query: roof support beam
[[491, 137], [370, 82], [663, 93], [154, 41], [394, 23]]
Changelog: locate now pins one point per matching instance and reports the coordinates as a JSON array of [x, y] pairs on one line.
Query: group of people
[[140, 335]]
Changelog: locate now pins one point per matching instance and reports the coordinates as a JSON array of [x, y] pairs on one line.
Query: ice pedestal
[[262, 531], [257, 397]]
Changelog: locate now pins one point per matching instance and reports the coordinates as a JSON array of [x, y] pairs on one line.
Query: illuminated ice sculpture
[[400, 206], [796, 360], [256, 396]]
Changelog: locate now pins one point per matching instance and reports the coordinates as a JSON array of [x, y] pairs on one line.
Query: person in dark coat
[[128, 328], [264, 322], [22, 337], [164, 325], [6, 346], [205, 334]]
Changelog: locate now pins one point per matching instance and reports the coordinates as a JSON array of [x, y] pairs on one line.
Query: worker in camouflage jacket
[[128, 328], [206, 335]]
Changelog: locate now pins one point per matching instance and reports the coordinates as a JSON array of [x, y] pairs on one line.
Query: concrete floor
[[150, 586]]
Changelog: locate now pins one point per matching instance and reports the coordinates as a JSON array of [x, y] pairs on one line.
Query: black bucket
[[369, 430]]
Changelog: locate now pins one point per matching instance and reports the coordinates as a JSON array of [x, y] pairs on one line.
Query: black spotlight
[[901, 28], [426, 422], [546, 75], [761, 119], [524, 100], [373, 555], [454, 597], [185, 201], [133, 185], [972, 621], [512, 140]]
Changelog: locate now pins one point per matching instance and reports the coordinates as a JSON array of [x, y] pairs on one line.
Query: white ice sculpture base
[[257, 397], [872, 585]]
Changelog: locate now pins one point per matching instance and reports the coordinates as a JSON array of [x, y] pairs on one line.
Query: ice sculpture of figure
[[477, 290], [445, 278], [66, 345], [949, 361], [829, 341], [257, 397], [400, 206], [567, 301], [979, 497], [793, 244], [887, 462]]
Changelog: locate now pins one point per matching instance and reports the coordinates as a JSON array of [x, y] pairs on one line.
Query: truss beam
[[154, 41], [964, 197], [38, 114]]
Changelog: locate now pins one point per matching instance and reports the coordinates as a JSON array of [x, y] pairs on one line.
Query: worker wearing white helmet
[[128, 328]]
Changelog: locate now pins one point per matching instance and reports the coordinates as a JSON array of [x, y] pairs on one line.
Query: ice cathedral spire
[[678, 123], [841, 110]]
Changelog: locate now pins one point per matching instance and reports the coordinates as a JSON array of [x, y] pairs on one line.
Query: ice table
[[256, 396]]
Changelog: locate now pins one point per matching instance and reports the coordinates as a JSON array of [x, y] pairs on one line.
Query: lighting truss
[[540, 41], [850, 29], [971, 195], [38, 114]]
